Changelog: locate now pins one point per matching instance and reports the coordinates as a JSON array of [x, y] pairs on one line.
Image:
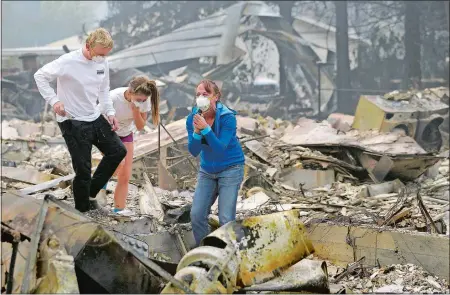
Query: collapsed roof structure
[[217, 37]]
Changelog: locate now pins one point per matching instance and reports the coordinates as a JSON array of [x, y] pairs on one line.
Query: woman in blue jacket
[[211, 131]]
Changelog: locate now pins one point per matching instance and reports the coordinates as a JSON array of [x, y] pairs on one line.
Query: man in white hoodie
[[83, 78]]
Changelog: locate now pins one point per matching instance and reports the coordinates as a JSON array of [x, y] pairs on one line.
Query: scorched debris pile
[[366, 194]]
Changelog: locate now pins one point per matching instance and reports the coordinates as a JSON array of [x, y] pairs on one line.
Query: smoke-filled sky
[[37, 23]]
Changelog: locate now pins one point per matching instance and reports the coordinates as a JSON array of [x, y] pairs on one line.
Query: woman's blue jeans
[[225, 185]]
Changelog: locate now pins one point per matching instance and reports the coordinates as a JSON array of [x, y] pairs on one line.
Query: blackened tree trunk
[[286, 10], [343, 62], [446, 10], [286, 13], [413, 73]]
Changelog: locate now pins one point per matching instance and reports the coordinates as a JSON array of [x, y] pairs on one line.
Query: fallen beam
[[381, 247], [46, 185]]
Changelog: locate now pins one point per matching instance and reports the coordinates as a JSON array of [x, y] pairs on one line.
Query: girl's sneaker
[[123, 212]]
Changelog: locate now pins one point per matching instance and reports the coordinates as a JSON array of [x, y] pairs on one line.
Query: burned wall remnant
[[419, 114]]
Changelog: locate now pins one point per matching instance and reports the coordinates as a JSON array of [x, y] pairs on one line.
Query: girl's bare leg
[[123, 177]]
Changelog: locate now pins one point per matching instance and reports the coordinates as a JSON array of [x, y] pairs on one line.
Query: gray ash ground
[[397, 278]]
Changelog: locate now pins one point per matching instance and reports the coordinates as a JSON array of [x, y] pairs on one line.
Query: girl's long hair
[[143, 85]]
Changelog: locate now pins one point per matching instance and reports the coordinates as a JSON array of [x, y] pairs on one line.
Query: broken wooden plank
[[399, 216], [27, 175], [148, 201]]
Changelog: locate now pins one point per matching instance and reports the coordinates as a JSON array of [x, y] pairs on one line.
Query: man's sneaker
[[123, 212], [93, 205], [101, 198]]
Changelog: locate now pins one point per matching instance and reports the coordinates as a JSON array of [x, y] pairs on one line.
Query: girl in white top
[[131, 104]]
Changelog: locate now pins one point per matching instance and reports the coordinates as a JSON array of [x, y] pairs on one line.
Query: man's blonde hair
[[100, 37]]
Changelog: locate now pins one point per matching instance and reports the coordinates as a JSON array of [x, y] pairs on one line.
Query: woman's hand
[[200, 122]]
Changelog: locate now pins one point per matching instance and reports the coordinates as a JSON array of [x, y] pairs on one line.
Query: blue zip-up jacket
[[223, 148]]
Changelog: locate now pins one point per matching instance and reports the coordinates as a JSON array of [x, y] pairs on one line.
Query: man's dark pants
[[79, 137]]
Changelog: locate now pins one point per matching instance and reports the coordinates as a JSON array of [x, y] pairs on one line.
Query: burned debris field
[[346, 183]]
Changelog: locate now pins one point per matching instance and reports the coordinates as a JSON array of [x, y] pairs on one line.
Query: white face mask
[[202, 103], [98, 59], [139, 104]]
